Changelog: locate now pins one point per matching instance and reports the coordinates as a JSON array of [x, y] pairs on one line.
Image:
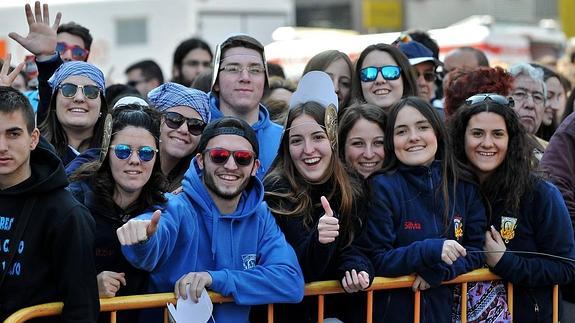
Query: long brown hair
[[451, 172], [296, 200], [515, 177]]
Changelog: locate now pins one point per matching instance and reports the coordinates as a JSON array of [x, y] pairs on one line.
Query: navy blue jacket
[[406, 232], [542, 225]]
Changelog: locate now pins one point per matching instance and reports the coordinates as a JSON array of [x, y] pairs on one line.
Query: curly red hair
[[461, 84]]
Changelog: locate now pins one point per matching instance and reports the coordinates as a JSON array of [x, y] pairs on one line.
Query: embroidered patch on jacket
[[249, 260], [458, 227], [508, 226], [411, 225]]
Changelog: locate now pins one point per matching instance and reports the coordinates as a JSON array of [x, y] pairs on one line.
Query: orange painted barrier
[[319, 289]]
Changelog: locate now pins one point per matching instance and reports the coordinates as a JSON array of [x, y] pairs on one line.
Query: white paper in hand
[[190, 312]]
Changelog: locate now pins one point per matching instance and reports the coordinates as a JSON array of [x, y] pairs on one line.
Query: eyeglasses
[[135, 83], [175, 120], [500, 99], [69, 90], [237, 69], [389, 73], [195, 63], [78, 53], [145, 153], [521, 95], [427, 76], [221, 156]]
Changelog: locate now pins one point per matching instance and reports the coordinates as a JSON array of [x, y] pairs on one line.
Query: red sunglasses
[[78, 53], [221, 156]]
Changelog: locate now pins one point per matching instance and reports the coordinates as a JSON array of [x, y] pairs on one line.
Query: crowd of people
[[231, 178]]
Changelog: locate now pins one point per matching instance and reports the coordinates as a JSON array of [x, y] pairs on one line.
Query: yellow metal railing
[[319, 289]]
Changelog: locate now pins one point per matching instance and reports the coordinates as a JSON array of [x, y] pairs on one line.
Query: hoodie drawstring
[[215, 220]]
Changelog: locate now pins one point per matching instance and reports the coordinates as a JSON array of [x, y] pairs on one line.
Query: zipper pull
[[536, 308]]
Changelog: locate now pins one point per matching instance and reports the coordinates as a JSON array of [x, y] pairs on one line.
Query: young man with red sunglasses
[[53, 45], [217, 233]]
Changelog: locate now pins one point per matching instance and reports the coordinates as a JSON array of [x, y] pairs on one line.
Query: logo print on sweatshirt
[[249, 261], [508, 226], [458, 227], [411, 225]]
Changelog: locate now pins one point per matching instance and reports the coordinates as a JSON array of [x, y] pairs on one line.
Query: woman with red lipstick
[[317, 204], [526, 213], [126, 182]]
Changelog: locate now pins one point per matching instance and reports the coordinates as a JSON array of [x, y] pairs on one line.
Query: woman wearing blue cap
[[75, 121]]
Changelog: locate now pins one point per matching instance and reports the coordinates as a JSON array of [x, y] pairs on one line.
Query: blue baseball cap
[[417, 53]]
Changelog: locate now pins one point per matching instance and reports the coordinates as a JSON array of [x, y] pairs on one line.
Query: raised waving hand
[[41, 38]]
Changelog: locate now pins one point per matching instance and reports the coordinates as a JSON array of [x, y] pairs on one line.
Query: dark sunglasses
[[69, 90], [145, 153], [389, 73], [500, 99], [221, 156], [175, 120], [427, 76], [78, 53], [195, 63]]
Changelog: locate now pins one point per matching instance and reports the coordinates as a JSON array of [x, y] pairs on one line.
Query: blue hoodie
[[245, 252], [406, 232], [269, 135]]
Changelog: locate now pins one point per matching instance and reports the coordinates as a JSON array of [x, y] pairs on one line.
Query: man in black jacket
[[46, 237]]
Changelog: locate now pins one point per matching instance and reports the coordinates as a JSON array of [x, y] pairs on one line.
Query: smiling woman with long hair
[[317, 204], [424, 217], [526, 213], [127, 182]]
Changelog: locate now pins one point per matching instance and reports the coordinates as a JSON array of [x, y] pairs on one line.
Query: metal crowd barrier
[[319, 289]]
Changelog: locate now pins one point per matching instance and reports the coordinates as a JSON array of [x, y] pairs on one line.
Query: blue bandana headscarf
[[170, 95], [77, 68]]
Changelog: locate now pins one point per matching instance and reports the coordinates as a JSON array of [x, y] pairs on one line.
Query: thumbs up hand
[[135, 231], [328, 226]]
